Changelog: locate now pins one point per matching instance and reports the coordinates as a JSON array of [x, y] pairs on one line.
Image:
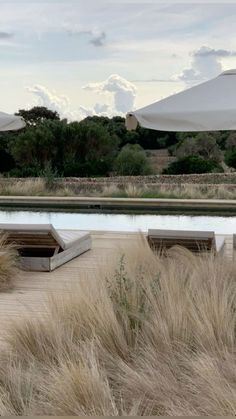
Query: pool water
[[121, 222]]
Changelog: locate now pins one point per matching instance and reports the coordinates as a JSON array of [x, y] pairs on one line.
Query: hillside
[[159, 159]]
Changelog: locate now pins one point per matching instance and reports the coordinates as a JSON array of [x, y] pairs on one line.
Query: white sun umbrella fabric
[[210, 106], [10, 122]]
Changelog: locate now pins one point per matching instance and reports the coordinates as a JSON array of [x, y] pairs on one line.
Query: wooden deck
[[31, 288]]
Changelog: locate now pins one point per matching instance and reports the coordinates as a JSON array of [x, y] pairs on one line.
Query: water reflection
[[121, 222]]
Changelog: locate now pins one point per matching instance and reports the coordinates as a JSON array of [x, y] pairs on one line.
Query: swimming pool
[[122, 222]]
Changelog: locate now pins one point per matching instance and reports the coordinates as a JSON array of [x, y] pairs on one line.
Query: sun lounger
[[195, 241], [220, 244], [43, 248]]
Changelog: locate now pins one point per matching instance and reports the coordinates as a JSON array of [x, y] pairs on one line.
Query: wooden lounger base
[[164, 245], [43, 260], [195, 241], [43, 248]]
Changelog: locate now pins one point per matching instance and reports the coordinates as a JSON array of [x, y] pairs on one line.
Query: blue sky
[[85, 57]]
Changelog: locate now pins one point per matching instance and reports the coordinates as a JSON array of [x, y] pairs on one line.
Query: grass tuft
[[8, 264], [169, 191], [146, 335]]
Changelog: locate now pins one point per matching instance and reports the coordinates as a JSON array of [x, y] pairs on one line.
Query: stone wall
[[212, 178], [152, 181]]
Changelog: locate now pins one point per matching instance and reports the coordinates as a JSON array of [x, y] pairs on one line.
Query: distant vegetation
[[131, 161], [99, 146], [201, 152], [192, 164]]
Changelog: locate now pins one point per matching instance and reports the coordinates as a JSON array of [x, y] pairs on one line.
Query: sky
[[108, 57]]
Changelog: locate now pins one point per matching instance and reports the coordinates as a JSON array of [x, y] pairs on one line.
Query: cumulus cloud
[[101, 109], [122, 91], [120, 95], [205, 51], [49, 99], [59, 103], [206, 64], [167, 80]]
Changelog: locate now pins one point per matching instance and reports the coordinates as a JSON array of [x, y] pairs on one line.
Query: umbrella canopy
[[210, 106], [10, 122]]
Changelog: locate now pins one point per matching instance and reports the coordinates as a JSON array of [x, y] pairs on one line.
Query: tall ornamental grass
[[145, 335]]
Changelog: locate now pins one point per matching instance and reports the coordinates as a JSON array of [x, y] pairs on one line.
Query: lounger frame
[[195, 241], [49, 263], [43, 248]]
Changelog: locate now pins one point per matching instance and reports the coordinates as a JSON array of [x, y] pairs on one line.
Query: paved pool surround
[[106, 204]]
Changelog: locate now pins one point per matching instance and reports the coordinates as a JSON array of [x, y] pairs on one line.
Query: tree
[[74, 149], [131, 161], [202, 144], [96, 149], [147, 138], [7, 162], [192, 164], [33, 149], [37, 115], [230, 158], [151, 139], [231, 141]]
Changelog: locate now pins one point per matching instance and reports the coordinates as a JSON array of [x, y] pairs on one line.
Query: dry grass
[[33, 187], [182, 191], [8, 264], [25, 188], [38, 187], [146, 336]]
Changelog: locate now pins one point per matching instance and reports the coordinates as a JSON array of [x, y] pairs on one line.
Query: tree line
[[101, 146], [203, 152]]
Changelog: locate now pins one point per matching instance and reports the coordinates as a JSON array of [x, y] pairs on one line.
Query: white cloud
[[49, 99], [119, 92], [122, 91], [205, 51], [59, 103], [101, 109], [206, 63]]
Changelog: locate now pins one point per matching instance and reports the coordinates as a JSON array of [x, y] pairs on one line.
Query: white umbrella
[[10, 122], [210, 106]]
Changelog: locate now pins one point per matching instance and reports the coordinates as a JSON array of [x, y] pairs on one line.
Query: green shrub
[[192, 164], [7, 162], [203, 144], [24, 172], [131, 161], [230, 158], [49, 175]]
